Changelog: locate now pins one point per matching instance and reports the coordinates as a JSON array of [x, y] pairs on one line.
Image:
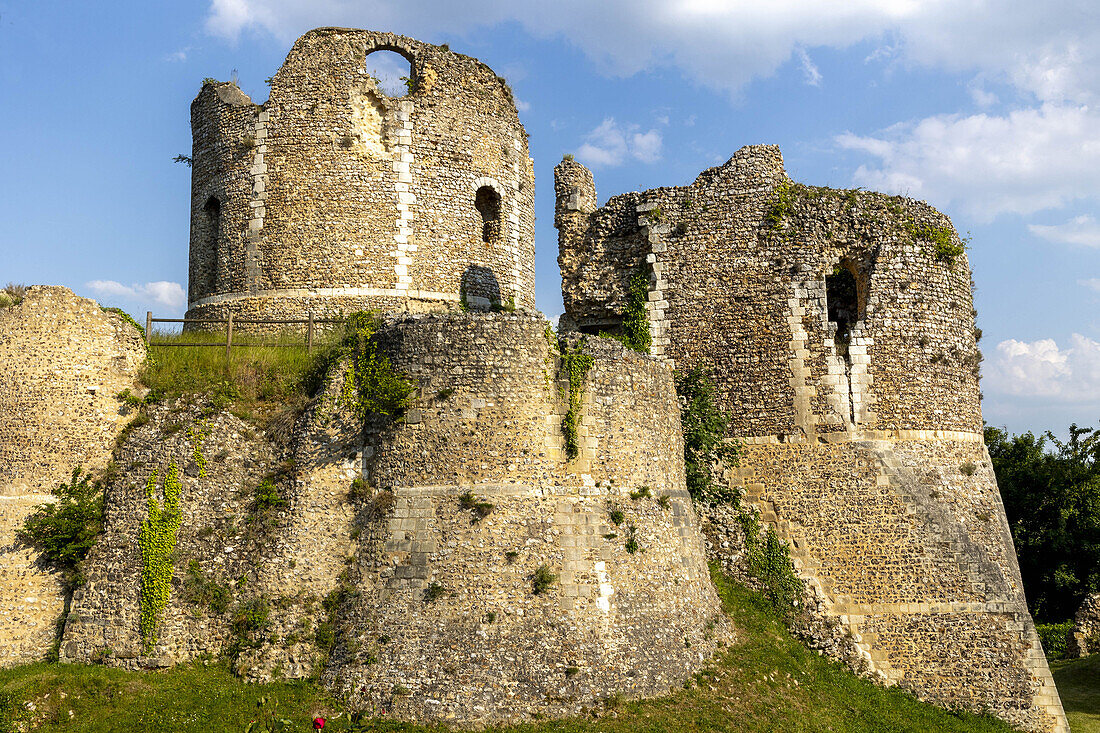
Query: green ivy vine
[[158, 543], [371, 385], [576, 364], [196, 455], [635, 328]]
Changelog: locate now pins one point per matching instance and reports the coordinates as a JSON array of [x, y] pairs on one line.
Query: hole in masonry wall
[[392, 72]]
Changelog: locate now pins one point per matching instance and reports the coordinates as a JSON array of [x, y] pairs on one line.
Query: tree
[[1052, 500]]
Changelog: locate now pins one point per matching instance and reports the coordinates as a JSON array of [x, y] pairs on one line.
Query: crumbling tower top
[[334, 196]]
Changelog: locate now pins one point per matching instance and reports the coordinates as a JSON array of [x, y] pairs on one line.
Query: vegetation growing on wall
[[576, 364], [66, 529], [704, 426], [768, 562], [945, 247], [635, 332], [126, 317], [12, 295], [157, 540], [371, 384]]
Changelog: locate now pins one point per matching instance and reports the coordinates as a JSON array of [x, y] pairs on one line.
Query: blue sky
[[988, 109]]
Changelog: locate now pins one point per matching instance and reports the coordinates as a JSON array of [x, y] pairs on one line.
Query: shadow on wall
[[480, 289]]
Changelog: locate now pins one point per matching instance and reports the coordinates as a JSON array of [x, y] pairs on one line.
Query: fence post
[[309, 334], [229, 337]]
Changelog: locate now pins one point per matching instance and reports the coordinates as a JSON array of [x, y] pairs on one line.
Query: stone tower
[[334, 197], [839, 328]]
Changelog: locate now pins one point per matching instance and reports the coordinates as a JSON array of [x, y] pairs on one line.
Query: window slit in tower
[[212, 212], [487, 202], [842, 299]]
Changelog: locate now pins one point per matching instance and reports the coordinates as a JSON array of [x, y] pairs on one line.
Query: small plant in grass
[[642, 492], [480, 509], [434, 592], [542, 579], [66, 529]]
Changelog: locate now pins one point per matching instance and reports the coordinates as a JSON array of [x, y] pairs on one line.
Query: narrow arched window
[[212, 225], [842, 297], [487, 202]]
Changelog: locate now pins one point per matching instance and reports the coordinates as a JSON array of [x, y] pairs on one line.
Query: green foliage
[[1054, 637], [664, 502], [250, 620], [434, 592], [410, 84], [1051, 496], [267, 496], [945, 248], [642, 492], [769, 563], [199, 590], [157, 540], [66, 529], [480, 509], [126, 317], [704, 426], [969, 468], [782, 202], [632, 545], [187, 159], [359, 490], [12, 295], [635, 332], [267, 718], [198, 438], [542, 579], [371, 386], [567, 156], [576, 364], [13, 714], [615, 515]]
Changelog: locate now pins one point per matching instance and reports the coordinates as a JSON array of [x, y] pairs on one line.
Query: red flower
[[318, 723]]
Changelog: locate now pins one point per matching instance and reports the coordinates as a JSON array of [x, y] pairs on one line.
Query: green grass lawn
[[767, 681], [1078, 682]]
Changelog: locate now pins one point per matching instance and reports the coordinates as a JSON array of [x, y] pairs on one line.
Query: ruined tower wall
[[335, 197], [64, 361], [631, 611], [857, 410]]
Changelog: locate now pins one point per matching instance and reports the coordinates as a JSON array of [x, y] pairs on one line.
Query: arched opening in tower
[[212, 223], [392, 72], [487, 203], [842, 296], [842, 303]]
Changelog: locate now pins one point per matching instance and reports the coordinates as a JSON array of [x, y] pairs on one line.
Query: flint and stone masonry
[[840, 333], [333, 197]]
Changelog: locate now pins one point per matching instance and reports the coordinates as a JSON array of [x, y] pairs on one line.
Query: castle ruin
[[839, 328]]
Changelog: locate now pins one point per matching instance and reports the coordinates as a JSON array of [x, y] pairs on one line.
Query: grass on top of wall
[[251, 375], [765, 681], [1078, 682]]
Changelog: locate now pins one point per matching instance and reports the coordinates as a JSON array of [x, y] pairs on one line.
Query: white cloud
[[1022, 162], [163, 293], [522, 106], [178, 56], [1092, 283], [1082, 230], [611, 144], [809, 69], [1049, 49], [1043, 369]]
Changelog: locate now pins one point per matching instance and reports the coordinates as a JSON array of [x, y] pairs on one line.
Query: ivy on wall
[[576, 364], [635, 327], [371, 385], [157, 541]]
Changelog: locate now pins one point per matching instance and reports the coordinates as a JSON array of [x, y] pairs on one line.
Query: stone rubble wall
[[64, 361], [865, 454], [334, 195], [1084, 638], [485, 419]]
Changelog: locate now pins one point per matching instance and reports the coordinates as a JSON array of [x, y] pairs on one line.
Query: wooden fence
[[310, 324]]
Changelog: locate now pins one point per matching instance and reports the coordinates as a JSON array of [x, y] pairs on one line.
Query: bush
[[543, 579], [1053, 638], [66, 529], [267, 496], [481, 509]]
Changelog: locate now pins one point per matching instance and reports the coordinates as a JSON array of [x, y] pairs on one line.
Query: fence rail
[[230, 322]]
